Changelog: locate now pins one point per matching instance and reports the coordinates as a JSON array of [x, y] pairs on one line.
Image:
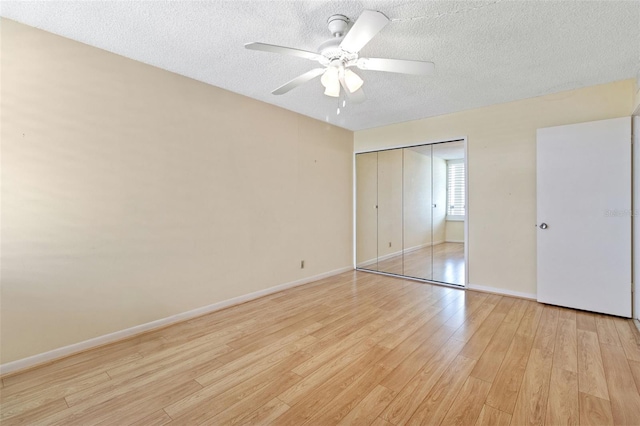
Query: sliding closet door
[[367, 211], [449, 211], [410, 212], [417, 212], [390, 211]]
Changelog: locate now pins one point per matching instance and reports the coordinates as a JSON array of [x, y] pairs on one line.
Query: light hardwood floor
[[442, 262], [356, 348]]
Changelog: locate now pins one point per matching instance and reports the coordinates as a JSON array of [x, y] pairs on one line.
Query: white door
[[636, 206], [584, 216]]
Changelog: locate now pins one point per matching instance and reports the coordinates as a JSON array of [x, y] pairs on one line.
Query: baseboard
[[454, 241], [55, 354], [501, 291]]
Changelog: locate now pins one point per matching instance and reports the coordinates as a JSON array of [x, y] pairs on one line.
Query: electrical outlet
[[302, 264]]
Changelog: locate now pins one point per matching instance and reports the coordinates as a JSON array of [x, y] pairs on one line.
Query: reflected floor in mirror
[[448, 263]]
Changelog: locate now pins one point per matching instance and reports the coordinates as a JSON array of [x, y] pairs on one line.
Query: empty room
[[319, 212]]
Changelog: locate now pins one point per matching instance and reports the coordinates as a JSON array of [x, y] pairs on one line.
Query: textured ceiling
[[486, 52]]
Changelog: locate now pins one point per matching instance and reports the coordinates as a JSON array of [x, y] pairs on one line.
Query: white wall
[[501, 171], [131, 194]]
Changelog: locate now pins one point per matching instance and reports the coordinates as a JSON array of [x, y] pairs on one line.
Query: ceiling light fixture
[[331, 82], [341, 52], [352, 80]]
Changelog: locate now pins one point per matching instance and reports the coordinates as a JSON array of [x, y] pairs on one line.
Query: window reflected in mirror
[[411, 212]]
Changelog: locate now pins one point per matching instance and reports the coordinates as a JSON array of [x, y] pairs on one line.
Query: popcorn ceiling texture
[[486, 52]]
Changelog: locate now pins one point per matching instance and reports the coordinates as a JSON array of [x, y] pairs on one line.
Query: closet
[[411, 212]]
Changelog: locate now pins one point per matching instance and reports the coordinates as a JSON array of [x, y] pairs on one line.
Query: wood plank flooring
[[442, 262], [356, 348]]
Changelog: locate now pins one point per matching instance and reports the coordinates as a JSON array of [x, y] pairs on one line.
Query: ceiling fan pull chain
[[342, 101]]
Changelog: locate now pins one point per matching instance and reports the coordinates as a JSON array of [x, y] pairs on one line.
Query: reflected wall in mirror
[[417, 212], [410, 212], [449, 215], [390, 211], [367, 211]]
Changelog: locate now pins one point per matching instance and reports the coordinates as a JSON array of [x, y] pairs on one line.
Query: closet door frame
[[462, 139]]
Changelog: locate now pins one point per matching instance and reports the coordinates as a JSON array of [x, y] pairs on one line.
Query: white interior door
[[584, 216], [636, 206]]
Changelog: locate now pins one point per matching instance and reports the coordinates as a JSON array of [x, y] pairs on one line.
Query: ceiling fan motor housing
[[332, 53], [338, 25]]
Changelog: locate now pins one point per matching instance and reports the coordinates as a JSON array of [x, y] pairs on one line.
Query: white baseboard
[[454, 241], [46, 357], [435, 243], [502, 291]]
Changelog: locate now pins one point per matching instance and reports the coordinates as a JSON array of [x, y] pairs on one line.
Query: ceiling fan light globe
[[333, 91], [352, 80], [330, 77]]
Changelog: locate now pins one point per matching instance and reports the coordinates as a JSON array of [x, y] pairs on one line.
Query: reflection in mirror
[[367, 211], [390, 211], [410, 212], [449, 212], [417, 212]]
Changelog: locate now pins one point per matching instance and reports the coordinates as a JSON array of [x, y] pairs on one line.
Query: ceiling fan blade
[[366, 27], [356, 97], [299, 80], [272, 48], [396, 65]]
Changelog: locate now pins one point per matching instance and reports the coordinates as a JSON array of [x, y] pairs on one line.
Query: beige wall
[[454, 231], [389, 202], [366, 208], [130, 194], [416, 210], [636, 103], [439, 199], [501, 167]]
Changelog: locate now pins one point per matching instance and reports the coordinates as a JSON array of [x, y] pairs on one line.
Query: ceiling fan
[[340, 53]]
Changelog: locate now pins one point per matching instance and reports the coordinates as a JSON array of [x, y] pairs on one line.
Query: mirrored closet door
[[367, 211], [418, 212], [449, 195], [410, 212], [390, 212]]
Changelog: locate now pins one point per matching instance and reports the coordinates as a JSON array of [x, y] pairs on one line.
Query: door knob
[[543, 225]]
